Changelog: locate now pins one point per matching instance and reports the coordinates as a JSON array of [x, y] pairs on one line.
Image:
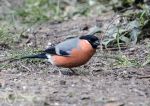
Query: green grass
[[124, 61], [9, 36], [5, 36], [37, 11]]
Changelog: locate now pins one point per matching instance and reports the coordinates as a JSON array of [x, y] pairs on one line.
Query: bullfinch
[[70, 53]]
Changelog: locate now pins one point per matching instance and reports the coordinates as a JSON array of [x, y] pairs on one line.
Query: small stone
[[73, 85], [24, 87], [55, 92], [62, 82], [56, 104], [85, 98]]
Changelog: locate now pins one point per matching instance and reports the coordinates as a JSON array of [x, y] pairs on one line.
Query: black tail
[[40, 56]]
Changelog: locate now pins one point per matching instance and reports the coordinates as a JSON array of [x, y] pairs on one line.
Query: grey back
[[67, 46]]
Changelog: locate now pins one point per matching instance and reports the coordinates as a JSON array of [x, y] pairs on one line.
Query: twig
[[111, 22], [117, 37], [25, 67], [142, 77]]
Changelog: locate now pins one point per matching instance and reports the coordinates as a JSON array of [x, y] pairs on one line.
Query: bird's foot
[[68, 73]]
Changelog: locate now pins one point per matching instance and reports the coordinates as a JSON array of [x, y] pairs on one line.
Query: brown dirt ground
[[99, 84], [28, 84]]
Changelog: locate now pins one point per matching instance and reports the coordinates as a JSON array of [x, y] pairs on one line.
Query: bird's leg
[[73, 72], [60, 73]]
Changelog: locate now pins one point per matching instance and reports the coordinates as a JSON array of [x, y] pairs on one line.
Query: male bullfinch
[[70, 53]]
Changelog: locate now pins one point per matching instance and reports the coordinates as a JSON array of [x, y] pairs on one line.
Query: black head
[[93, 40]]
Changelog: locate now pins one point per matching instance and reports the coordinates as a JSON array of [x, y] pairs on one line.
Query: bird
[[72, 52]]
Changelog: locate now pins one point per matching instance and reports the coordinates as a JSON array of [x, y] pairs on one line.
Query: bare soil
[[98, 83]]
